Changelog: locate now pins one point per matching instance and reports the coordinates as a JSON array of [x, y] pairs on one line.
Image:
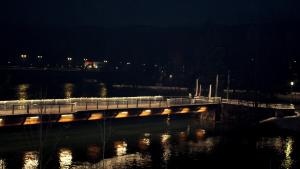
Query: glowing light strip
[[185, 110], [166, 111], [145, 113], [122, 114], [202, 109], [32, 120], [66, 118], [96, 116]]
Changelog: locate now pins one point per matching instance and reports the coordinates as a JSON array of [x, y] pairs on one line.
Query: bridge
[[30, 112]]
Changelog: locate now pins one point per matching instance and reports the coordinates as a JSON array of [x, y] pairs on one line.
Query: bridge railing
[[72, 105], [257, 104]]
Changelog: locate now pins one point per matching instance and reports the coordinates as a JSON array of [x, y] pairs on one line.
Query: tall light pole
[[292, 85]]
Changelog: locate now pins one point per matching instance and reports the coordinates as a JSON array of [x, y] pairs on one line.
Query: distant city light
[[128, 63], [23, 56], [170, 76], [117, 67], [39, 57], [292, 83], [85, 59], [105, 61], [69, 58]]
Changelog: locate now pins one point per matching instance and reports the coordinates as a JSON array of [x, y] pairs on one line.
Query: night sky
[[204, 37], [167, 13]]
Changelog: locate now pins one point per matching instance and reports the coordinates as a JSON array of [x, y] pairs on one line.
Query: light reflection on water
[[144, 143], [31, 160], [118, 162], [2, 164], [22, 91], [120, 148], [102, 90], [282, 146], [165, 142], [65, 158], [288, 149], [68, 90], [164, 149]]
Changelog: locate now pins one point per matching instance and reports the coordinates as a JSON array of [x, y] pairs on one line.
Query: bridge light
[[202, 109], [66, 118], [32, 120], [96, 116], [185, 110], [166, 112], [145, 113], [122, 114]]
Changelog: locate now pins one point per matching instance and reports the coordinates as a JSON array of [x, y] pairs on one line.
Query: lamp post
[[69, 59], [292, 84]]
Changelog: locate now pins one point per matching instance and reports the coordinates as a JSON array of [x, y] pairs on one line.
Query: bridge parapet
[[72, 105], [257, 104]]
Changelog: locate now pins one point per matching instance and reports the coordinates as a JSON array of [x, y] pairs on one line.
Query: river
[[148, 143]]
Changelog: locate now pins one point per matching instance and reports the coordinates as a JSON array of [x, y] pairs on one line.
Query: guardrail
[[257, 104], [57, 106]]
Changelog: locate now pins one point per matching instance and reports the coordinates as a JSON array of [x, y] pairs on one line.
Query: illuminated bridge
[[32, 112], [29, 112]]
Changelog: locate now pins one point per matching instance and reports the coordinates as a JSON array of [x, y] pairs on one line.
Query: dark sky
[[196, 33], [107, 13]]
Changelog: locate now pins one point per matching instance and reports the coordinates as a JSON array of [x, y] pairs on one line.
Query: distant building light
[[39, 57], [117, 67], [295, 61], [85, 59], [105, 61], [292, 83], [170, 76], [69, 58], [23, 56], [128, 63], [155, 65]]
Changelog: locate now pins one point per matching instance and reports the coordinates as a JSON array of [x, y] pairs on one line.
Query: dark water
[[51, 90], [156, 143]]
